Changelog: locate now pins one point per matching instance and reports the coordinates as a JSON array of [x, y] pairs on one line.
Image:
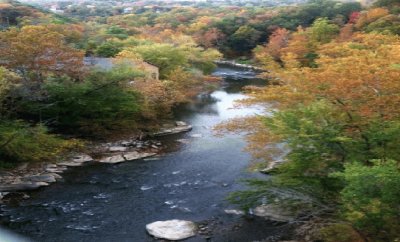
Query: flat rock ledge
[[172, 229], [115, 159], [274, 213], [78, 160], [179, 127]]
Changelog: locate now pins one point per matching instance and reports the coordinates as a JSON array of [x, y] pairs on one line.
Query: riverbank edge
[[28, 177], [32, 176]]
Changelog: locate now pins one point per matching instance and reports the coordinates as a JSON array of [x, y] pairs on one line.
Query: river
[[190, 181]]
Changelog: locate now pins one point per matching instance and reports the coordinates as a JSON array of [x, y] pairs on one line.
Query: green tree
[[22, 142], [101, 103], [117, 32], [371, 198], [322, 31], [244, 39], [108, 49], [165, 56], [8, 81]]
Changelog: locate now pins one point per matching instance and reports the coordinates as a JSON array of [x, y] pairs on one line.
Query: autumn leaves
[[338, 101]]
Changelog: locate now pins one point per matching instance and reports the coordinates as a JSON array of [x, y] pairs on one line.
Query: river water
[[103, 202]]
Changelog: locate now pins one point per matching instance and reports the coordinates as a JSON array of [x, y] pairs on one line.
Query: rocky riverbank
[[28, 177]]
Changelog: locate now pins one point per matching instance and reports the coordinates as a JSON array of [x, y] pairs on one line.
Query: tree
[[277, 41], [8, 81], [211, 38], [117, 32], [322, 31], [245, 38], [38, 51], [371, 199], [108, 49], [22, 142], [101, 103], [389, 24], [300, 48], [340, 122], [370, 16], [346, 32], [165, 56]]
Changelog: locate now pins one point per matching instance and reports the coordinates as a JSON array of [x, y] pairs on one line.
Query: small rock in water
[[2, 195], [196, 135], [180, 123], [117, 149], [55, 175], [55, 170], [126, 143], [234, 211], [172, 229]]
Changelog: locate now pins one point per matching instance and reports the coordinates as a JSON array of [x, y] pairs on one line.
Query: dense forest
[[332, 69]]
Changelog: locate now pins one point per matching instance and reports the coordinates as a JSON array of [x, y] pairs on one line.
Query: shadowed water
[[105, 202]]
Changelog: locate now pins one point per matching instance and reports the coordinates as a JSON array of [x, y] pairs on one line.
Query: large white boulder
[[172, 229]]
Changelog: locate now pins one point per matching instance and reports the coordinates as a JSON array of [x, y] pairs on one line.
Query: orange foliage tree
[[38, 51], [277, 41]]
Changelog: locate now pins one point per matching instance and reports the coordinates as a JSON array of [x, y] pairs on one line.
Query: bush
[[340, 232], [99, 104], [371, 198], [108, 49], [20, 142]]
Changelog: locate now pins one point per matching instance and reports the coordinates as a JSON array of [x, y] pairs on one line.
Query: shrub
[[371, 198], [340, 232], [21, 142], [99, 104]]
